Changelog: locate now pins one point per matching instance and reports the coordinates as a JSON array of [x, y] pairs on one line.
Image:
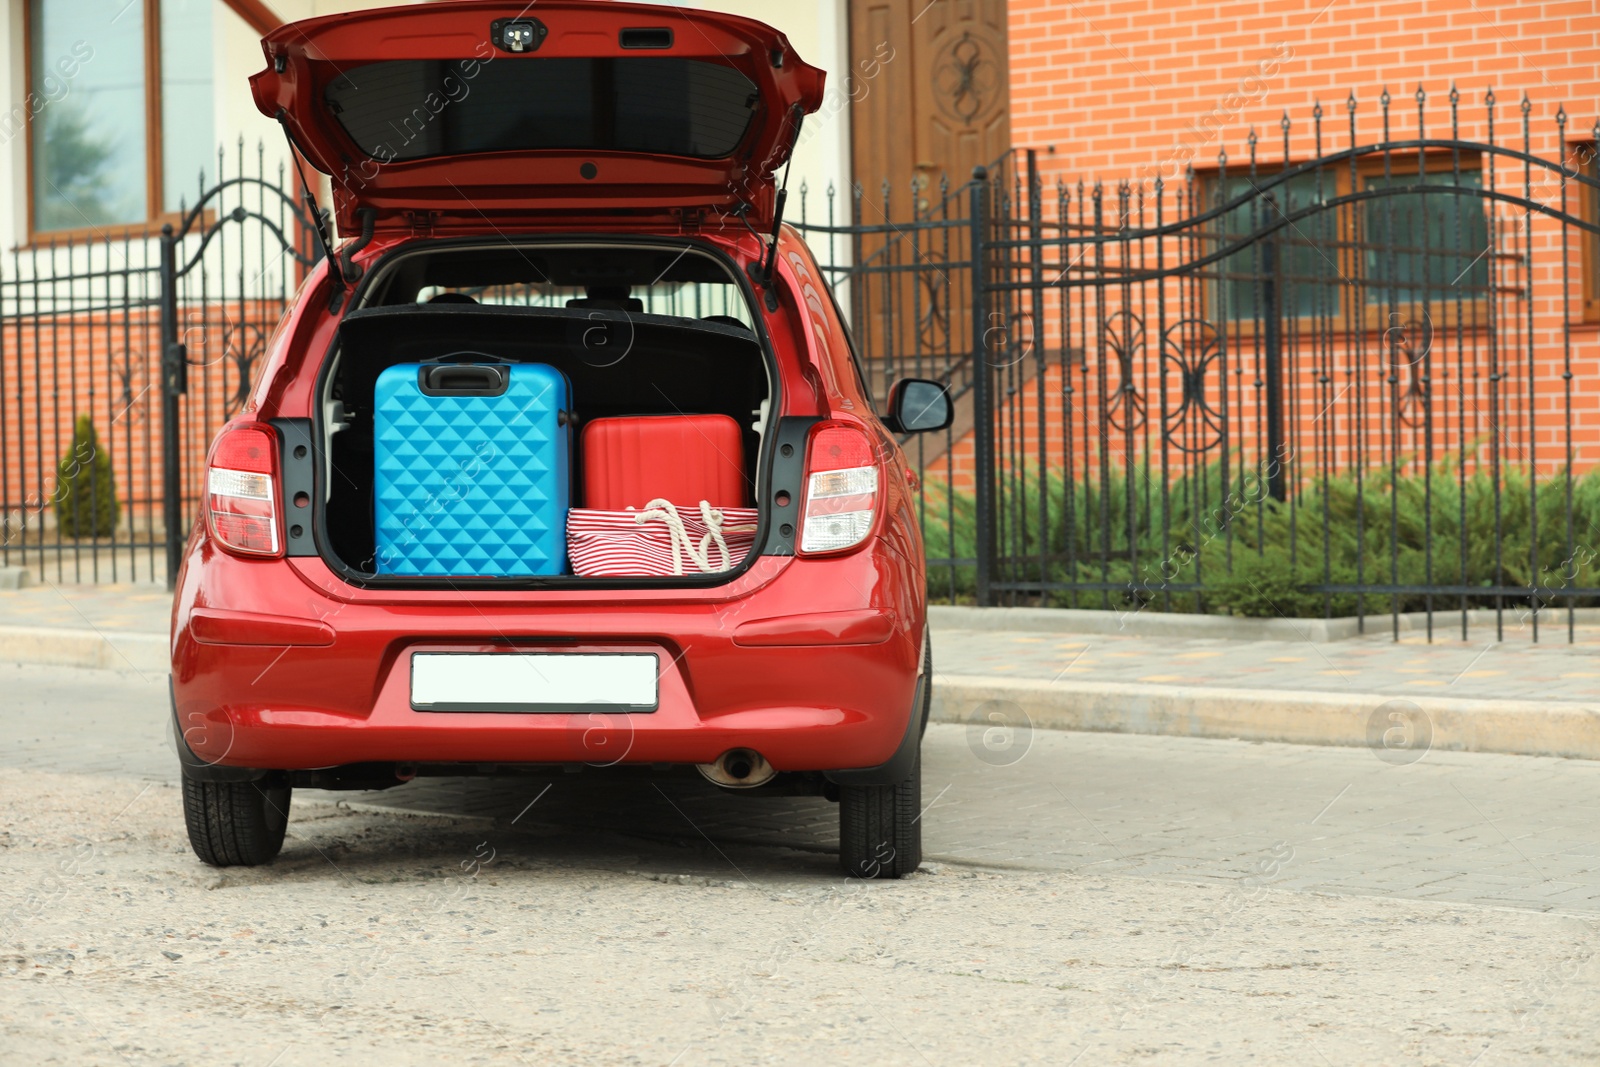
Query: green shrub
[[1250, 555], [86, 497], [1270, 584]]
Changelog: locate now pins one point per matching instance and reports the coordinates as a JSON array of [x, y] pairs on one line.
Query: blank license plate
[[533, 681]]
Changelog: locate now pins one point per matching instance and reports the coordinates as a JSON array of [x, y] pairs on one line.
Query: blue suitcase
[[472, 469]]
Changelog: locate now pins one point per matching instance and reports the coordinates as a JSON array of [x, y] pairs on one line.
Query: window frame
[[155, 215], [1473, 311], [1214, 298], [1588, 209], [1374, 317]]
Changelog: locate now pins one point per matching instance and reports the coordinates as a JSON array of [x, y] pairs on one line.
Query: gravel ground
[[385, 937]]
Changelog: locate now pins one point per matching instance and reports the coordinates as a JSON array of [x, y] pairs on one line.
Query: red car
[[594, 187]]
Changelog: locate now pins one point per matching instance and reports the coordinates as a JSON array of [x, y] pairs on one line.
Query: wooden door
[[929, 101]]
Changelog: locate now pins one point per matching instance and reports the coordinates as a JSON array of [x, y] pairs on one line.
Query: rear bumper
[[278, 675]]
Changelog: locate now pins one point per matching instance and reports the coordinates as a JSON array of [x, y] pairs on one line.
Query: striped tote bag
[[659, 541]]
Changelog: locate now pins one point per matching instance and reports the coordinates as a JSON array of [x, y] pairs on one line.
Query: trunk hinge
[[422, 222]]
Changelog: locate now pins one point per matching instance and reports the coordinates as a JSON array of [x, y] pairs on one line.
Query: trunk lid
[[472, 115]]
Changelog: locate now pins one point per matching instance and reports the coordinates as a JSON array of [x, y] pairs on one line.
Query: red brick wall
[[1116, 86], [54, 368], [1129, 90]]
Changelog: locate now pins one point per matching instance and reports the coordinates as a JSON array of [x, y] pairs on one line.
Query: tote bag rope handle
[[683, 546]]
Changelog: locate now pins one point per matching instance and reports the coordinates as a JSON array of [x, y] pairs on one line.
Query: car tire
[[236, 824], [927, 680], [880, 827]]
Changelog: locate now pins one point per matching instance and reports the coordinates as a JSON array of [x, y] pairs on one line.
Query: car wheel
[[236, 824], [880, 827]]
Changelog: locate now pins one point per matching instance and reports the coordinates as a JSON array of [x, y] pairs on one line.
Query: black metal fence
[[1359, 381], [121, 354], [1362, 381]]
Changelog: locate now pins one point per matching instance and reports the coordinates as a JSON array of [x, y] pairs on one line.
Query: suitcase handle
[[467, 355], [465, 379]]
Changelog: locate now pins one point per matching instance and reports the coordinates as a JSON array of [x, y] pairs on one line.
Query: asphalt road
[[1116, 898]]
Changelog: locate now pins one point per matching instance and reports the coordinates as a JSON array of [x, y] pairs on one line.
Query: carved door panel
[[961, 114], [929, 102]]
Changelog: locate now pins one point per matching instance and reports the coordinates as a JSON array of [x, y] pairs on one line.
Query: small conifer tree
[[86, 498]]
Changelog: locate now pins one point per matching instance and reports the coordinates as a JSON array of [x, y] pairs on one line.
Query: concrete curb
[[15, 578], [1139, 623], [1151, 623], [115, 650], [1356, 720]]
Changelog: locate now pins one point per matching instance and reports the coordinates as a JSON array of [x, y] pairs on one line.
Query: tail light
[[841, 490], [243, 511]]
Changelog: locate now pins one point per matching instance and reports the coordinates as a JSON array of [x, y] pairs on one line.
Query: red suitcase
[[683, 459]]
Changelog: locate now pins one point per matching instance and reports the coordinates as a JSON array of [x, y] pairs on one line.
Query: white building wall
[[13, 155], [818, 32]]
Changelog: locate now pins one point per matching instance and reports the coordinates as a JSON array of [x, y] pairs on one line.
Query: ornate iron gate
[[155, 341], [1350, 384]]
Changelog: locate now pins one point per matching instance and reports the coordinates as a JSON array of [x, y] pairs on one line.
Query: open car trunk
[[478, 114], [629, 338]]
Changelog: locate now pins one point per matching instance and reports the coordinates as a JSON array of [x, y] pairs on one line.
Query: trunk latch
[[517, 35]]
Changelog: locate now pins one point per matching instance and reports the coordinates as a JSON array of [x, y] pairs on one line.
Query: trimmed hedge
[[1242, 553]]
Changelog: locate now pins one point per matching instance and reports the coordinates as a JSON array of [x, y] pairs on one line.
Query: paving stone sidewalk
[[1475, 670], [140, 607]]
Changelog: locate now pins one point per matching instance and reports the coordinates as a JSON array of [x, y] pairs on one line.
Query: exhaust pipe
[[738, 768]]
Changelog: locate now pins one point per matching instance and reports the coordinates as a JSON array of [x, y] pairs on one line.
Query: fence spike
[[1455, 96], [1350, 102], [1284, 123], [1316, 109], [1561, 117], [1422, 97], [1488, 97], [1527, 105], [1383, 98]]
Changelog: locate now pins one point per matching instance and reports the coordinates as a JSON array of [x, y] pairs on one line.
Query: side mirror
[[917, 405]]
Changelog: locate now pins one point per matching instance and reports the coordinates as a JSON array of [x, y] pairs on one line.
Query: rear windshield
[[413, 108]]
